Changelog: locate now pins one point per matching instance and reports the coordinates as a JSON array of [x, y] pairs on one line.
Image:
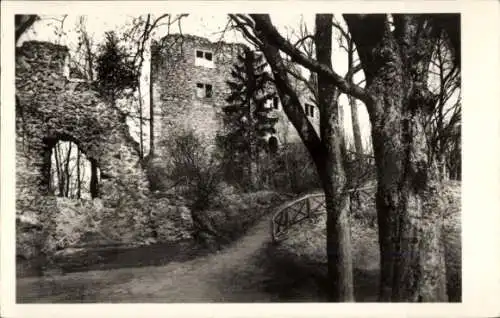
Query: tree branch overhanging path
[[265, 28], [395, 52]]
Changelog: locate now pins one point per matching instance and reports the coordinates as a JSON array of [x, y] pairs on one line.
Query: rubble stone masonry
[[177, 72], [50, 107], [190, 91]]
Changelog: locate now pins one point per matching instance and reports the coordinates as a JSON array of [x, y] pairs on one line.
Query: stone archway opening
[[72, 174]]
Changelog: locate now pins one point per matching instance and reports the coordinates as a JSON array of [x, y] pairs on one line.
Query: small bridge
[[304, 207]]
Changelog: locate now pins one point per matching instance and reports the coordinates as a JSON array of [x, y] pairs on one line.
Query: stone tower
[[189, 75]]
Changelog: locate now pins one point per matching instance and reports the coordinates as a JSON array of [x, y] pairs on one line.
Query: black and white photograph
[[217, 157]]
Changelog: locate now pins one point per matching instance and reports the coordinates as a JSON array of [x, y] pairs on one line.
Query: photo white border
[[481, 173]]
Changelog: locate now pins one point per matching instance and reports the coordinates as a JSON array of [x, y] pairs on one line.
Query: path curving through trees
[[239, 273]]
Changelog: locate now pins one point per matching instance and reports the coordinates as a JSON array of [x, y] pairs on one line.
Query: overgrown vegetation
[[220, 212], [115, 71]]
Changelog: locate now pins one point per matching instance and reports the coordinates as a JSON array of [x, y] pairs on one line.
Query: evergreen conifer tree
[[246, 117]]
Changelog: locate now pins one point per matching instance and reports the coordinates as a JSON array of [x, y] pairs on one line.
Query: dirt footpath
[[236, 274]]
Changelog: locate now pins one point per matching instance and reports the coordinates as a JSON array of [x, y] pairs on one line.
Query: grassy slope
[[304, 249]]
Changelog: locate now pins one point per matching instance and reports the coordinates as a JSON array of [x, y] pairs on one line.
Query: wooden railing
[[299, 209], [295, 211]]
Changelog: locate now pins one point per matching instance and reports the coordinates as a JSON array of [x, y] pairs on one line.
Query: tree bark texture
[[94, 182], [332, 173], [408, 207]]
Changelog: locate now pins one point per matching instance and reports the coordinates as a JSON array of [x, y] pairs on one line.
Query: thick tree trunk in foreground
[[408, 208], [410, 222], [338, 240], [332, 174], [410, 225], [23, 22], [325, 151]]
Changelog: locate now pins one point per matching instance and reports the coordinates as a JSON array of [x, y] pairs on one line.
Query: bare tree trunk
[[151, 115], [67, 172], [141, 137], [332, 173], [338, 241], [60, 175], [253, 168], [358, 144], [325, 151], [94, 182], [90, 59], [78, 180], [409, 214], [408, 209]]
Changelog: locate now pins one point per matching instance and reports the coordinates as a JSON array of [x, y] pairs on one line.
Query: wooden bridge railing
[[294, 212], [304, 207]]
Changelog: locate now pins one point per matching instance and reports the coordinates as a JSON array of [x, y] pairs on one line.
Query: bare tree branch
[[23, 22], [303, 39], [242, 25], [265, 28]]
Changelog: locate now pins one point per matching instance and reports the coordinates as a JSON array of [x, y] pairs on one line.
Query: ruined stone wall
[[50, 108], [175, 78]]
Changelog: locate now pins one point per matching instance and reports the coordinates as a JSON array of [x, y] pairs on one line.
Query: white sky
[[209, 26]]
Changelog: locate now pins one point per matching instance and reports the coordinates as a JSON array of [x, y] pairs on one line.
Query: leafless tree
[[395, 52], [325, 149]]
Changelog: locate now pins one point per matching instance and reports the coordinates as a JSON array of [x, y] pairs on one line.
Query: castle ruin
[[189, 75]]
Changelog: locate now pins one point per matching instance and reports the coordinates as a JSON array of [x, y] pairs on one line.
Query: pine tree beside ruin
[[247, 119]]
